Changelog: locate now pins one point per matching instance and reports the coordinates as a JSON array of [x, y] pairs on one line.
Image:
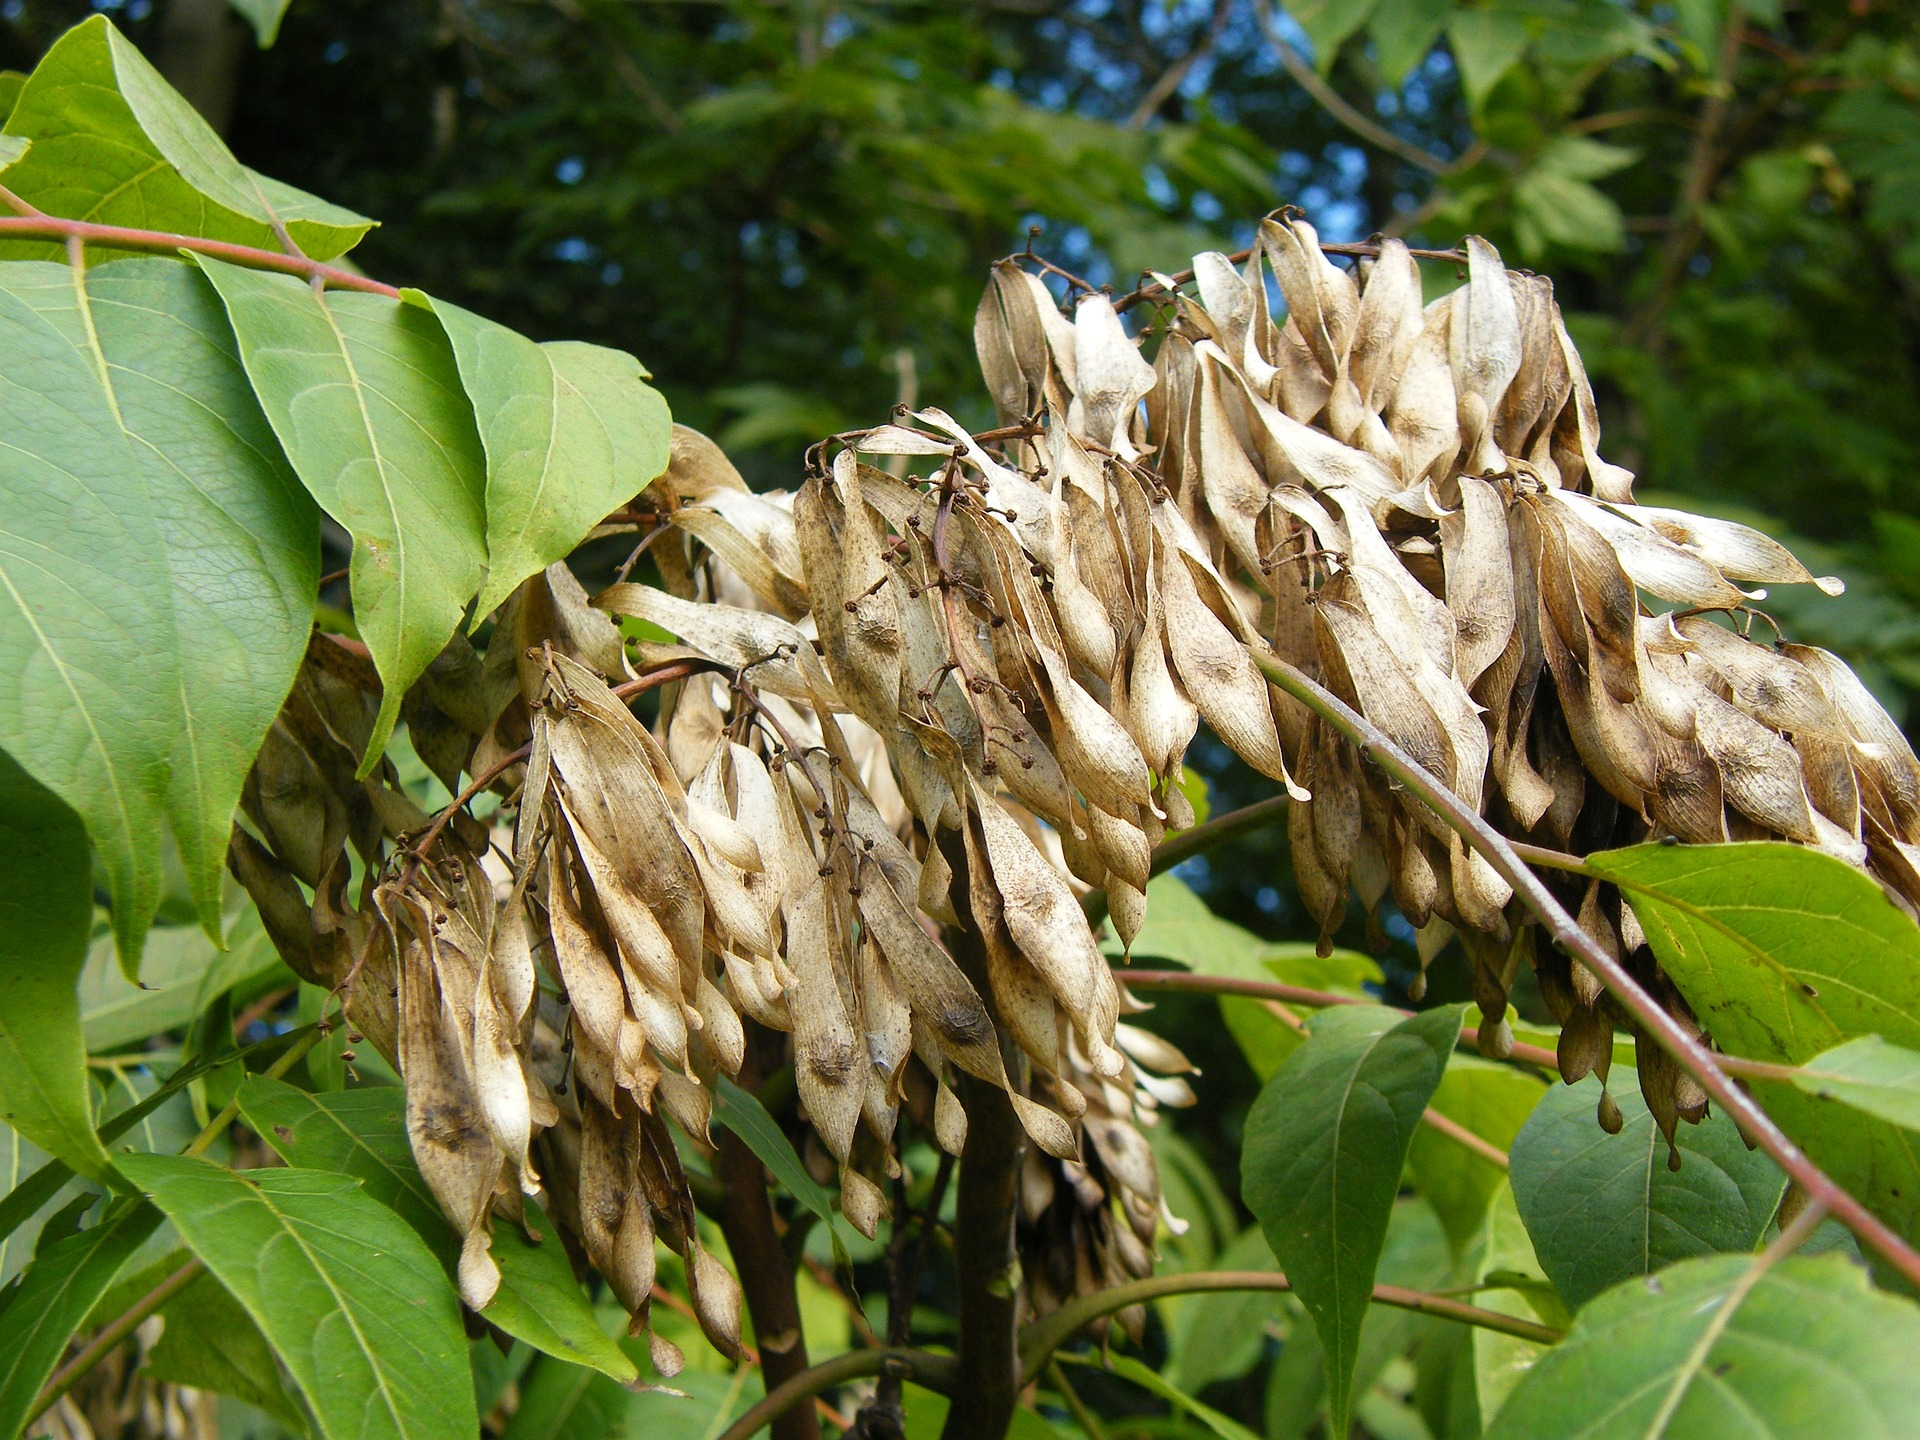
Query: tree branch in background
[[1367, 128], [1705, 162], [766, 1274], [1172, 77], [1044, 1336], [1692, 1056], [935, 1372], [987, 1380]]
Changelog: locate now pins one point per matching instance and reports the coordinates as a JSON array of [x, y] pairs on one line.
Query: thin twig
[[1044, 1336], [109, 1339], [1460, 1135], [934, 1372], [1076, 1407], [1308, 79], [1275, 990], [1176, 849], [1356, 249], [1175, 74], [217, 1126], [160, 242], [1689, 1053]]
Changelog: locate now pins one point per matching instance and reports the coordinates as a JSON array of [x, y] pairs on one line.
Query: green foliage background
[[776, 202], [788, 208]]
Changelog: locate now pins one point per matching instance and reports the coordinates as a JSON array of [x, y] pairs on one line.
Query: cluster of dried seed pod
[[923, 705]]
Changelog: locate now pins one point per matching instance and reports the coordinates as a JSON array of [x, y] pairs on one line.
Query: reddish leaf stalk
[[1692, 1056]]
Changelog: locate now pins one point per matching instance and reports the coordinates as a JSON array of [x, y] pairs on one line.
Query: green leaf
[[1869, 1075], [84, 593], [571, 432], [114, 144], [1493, 1101], [351, 1300], [264, 16], [181, 975], [743, 1114], [147, 503], [52, 1297], [1325, 1145], [1128, 1368], [565, 1402], [1486, 44], [1328, 23], [363, 1133], [45, 914], [1403, 31], [364, 394], [1785, 953], [1701, 1351], [1512, 1283], [1602, 1207], [211, 1343], [1180, 927], [241, 537]]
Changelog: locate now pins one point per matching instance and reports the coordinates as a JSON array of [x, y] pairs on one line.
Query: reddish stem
[[161, 242]]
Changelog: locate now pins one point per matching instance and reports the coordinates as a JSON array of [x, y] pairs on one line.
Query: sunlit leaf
[[353, 1303]]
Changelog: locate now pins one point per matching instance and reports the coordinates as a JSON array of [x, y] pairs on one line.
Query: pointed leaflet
[[571, 432], [352, 1302], [1783, 953], [114, 144], [178, 446], [363, 1133], [1325, 1144], [364, 395], [1602, 1207], [1869, 1075], [40, 1311], [46, 912], [742, 1113], [87, 639], [1707, 1349], [241, 537]]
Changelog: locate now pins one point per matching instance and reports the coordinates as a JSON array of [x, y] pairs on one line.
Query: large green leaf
[[1785, 953], [1701, 1351], [364, 394], [242, 538], [351, 1300], [1325, 1145], [90, 707], [211, 1343], [1493, 1101], [1602, 1207], [1870, 1075], [571, 432], [1403, 31], [45, 913], [363, 1133], [1485, 44], [51, 1298], [113, 143], [147, 504]]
